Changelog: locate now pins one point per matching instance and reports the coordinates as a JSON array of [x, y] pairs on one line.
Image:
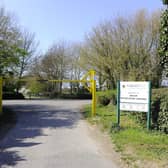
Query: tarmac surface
[[51, 134]]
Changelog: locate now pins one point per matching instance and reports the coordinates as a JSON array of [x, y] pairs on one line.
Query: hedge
[[159, 107], [104, 98], [12, 95]]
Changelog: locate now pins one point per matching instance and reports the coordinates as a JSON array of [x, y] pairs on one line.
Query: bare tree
[[29, 44], [53, 64], [124, 49], [74, 68]]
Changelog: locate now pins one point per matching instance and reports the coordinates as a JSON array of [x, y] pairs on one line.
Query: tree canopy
[[163, 42], [165, 2], [125, 48]]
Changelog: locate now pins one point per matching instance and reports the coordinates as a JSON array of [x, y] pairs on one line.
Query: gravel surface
[[51, 134]]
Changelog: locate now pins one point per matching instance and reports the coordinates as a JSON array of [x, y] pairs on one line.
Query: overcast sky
[[70, 20]]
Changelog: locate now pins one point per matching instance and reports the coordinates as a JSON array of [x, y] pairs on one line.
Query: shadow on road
[[31, 119]]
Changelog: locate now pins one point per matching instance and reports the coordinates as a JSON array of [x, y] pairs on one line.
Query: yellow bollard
[[93, 91], [0, 95]]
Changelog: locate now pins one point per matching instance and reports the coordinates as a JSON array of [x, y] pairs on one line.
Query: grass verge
[[138, 147]]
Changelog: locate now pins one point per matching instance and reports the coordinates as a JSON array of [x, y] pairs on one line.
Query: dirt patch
[[7, 121], [126, 159]]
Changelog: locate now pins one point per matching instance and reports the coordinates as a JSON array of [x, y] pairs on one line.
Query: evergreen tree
[[163, 45], [165, 2]]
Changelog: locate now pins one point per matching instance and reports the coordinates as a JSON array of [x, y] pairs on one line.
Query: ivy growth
[[165, 2], [163, 45]]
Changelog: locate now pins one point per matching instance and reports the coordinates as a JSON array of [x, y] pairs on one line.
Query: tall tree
[[16, 50], [74, 68], [165, 2], [9, 38], [53, 64], [163, 45], [124, 49], [28, 43]]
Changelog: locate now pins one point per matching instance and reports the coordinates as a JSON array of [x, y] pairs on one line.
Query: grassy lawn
[[138, 147]]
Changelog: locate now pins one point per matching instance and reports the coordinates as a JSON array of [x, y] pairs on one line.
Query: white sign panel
[[134, 96]]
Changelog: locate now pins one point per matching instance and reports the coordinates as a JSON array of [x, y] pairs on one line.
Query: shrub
[[12, 95], [159, 107], [159, 110], [163, 115], [104, 98], [155, 106], [157, 99]]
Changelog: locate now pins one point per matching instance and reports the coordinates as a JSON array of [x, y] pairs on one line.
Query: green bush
[[104, 98], [163, 115], [12, 95], [155, 106], [159, 109], [165, 2]]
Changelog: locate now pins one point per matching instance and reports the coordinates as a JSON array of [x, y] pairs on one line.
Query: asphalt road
[[51, 134]]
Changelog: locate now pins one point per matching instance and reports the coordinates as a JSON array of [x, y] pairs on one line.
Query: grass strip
[[138, 147]]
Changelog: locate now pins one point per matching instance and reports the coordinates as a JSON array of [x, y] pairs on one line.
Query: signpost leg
[[118, 103], [149, 109]]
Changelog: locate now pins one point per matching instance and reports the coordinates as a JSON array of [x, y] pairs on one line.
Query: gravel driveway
[[51, 134]]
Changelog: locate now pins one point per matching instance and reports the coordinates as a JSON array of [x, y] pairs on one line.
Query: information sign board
[[134, 96]]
